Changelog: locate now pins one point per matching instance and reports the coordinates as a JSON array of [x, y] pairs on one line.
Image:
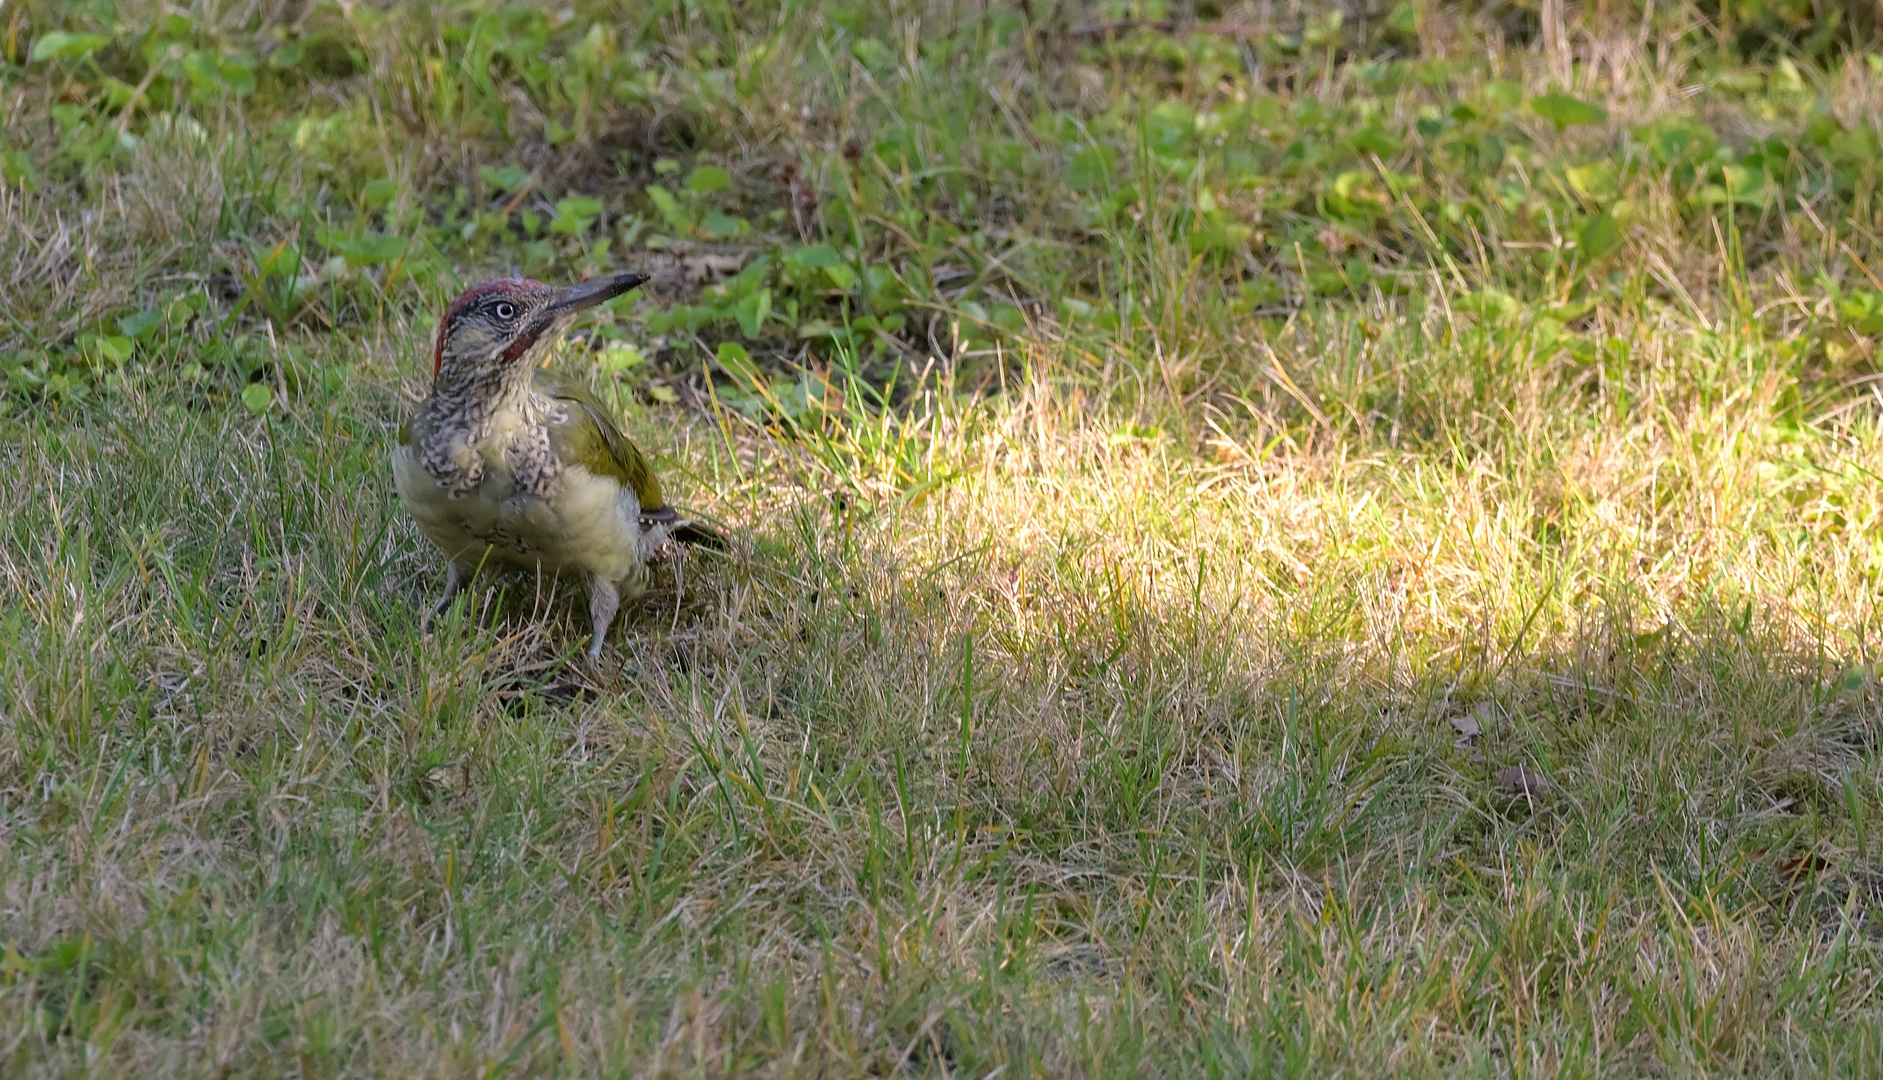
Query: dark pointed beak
[[590, 293]]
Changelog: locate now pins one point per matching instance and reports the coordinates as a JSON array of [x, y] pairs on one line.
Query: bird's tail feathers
[[705, 536], [685, 531]]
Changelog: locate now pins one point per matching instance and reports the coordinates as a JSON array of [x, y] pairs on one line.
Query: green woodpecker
[[508, 466]]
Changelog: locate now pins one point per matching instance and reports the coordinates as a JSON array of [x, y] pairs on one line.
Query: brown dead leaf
[[1472, 724], [711, 266], [1522, 780], [1803, 866], [693, 268]]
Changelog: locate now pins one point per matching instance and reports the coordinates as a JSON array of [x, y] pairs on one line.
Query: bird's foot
[[603, 601], [653, 539], [454, 584]]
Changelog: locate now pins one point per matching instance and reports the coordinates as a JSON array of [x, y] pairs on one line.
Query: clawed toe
[[454, 584]]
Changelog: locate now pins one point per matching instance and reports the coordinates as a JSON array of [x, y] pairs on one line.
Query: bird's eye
[[505, 311]]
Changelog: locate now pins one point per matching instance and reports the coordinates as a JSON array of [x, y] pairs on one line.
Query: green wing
[[415, 428], [590, 438]]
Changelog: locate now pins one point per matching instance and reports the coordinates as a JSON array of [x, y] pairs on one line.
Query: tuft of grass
[[1269, 544]]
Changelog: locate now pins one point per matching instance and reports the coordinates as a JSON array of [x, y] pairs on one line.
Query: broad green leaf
[[186, 305], [63, 45], [737, 362], [115, 349], [1353, 197], [1375, 139], [510, 178], [753, 311], [1595, 180], [1862, 310], [1351, 184], [16, 168], [620, 356], [721, 226], [1403, 19], [813, 256], [1216, 232], [707, 179], [1821, 128], [1171, 125], [1503, 93], [118, 93], [281, 260], [1599, 236], [1858, 144], [574, 214], [676, 216], [1682, 139], [136, 326], [1491, 304], [895, 147], [1567, 112], [1744, 186], [203, 70], [579, 206], [1569, 312], [256, 397], [379, 192], [873, 54], [238, 78], [886, 291], [1743, 180]]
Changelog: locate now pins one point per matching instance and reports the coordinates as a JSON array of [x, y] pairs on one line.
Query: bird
[[507, 465]]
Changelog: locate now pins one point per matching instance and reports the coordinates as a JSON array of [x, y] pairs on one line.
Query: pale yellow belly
[[591, 527]]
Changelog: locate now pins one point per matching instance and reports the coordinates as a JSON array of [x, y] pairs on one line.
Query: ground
[[1266, 542]]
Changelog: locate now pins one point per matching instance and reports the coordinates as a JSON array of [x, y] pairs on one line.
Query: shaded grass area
[[1458, 667]]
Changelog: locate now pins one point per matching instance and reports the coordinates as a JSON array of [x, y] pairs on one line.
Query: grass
[[1267, 544]]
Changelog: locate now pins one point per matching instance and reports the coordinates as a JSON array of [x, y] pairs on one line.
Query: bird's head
[[505, 324]]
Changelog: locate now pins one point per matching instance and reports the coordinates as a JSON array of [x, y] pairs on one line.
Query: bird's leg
[[653, 538], [454, 584], [603, 602]]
